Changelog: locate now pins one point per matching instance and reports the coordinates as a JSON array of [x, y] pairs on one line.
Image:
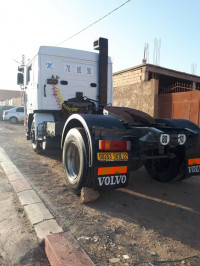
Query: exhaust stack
[[102, 46]]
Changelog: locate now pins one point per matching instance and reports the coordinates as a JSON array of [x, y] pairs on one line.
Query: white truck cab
[[76, 71]]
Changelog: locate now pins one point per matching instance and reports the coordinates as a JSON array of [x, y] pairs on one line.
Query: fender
[[179, 123], [88, 121]]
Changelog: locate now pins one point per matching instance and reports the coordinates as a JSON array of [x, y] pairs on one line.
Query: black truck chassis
[[100, 150]]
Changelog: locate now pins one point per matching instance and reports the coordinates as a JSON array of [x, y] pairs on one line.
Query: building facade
[[11, 97], [158, 91]]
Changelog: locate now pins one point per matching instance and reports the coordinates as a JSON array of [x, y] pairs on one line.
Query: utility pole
[[23, 60]]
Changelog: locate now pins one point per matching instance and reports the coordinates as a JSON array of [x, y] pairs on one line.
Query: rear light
[[115, 145], [5, 113]]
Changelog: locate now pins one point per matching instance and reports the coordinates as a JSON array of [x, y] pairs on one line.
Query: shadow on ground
[[169, 209]]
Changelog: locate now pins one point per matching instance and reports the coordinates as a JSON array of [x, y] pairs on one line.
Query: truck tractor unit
[[68, 102]]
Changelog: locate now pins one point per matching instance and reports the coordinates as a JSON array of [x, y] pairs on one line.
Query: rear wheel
[[13, 120], [166, 170], [75, 159]]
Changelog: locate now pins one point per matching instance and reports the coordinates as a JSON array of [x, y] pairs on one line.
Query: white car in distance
[[14, 115]]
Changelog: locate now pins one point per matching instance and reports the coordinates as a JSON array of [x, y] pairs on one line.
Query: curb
[[61, 247]]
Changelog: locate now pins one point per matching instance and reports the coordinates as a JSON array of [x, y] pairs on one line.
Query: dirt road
[[147, 223]]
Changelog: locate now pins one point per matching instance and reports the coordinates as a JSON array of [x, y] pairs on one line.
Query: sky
[[171, 25]]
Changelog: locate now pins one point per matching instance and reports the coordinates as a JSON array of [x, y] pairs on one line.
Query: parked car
[[14, 115], [3, 108]]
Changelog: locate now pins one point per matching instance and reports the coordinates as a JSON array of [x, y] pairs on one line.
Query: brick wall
[[131, 90], [131, 76]]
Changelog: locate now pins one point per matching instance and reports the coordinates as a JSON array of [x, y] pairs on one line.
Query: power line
[[94, 22]]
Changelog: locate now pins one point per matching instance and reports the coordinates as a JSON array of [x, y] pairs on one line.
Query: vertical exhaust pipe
[[102, 46]]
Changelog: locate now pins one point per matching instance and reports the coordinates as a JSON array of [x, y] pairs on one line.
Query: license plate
[[112, 156]]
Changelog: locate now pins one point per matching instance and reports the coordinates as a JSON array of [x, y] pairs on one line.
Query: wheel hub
[[72, 161]]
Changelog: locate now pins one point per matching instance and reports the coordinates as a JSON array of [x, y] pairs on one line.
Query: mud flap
[[193, 166], [111, 177], [193, 161]]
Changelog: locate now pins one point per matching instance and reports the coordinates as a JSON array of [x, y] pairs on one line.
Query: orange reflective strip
[[193, 161], [112, 170]]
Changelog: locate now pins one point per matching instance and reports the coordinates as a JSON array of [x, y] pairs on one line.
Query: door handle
[[45, 90]]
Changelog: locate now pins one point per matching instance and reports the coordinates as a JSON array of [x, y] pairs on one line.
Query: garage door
[[183, 105]]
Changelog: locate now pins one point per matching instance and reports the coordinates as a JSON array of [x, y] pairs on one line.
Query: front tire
[[38, 147], [166, 170], [75, 159]]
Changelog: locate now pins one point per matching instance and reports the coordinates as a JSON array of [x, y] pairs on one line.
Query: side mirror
[[20, 78]]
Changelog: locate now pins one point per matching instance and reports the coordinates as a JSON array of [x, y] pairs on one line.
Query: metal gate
[[179, 102]]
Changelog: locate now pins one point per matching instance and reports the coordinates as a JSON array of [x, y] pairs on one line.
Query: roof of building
[[9, 94], [163, 71]]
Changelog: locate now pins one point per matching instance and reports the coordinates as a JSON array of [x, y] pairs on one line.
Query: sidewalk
[[18, 242]]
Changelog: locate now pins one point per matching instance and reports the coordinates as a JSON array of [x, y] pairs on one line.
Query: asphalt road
[[146, 223]]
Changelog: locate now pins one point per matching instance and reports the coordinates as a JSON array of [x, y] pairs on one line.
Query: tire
[[75, 159], [166, 170], [13, 120], [36, 144], [38, 147]]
